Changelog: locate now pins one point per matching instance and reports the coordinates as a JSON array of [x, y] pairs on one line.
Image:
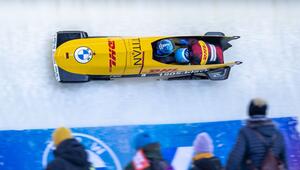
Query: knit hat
[[257, 107], [142, 139], [61, 134], [203, 143]]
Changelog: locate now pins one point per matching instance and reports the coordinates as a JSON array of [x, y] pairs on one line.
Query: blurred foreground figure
[[204, 158], [69, 153], [260, 145], [148, 155]]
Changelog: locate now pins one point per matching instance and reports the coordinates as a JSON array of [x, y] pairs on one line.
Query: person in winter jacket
[[69, 153], [203, 150], [251, 149], [148, 154]]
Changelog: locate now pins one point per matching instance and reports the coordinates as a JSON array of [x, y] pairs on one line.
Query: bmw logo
[[83, 55]]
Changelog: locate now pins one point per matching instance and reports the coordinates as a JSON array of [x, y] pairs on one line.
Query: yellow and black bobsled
[[78, 57]]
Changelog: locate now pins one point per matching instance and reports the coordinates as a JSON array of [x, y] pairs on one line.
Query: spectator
[[148, 154], [256, 140], [204, 158], [69, 153]]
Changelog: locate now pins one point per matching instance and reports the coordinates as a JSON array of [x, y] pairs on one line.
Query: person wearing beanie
[[257, 108], [255, 139], [204, 158], [148, 154], [142, 139], [69, 153], [61, 134]]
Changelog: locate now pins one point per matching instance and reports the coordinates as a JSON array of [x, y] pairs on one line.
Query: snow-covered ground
[[31, 98]]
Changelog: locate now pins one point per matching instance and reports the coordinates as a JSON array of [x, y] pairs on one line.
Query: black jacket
[[153, 154], [213, 163], [69, 155], [249, 145]]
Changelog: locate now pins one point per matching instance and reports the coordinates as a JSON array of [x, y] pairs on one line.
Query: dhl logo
[[112, 55], [204, 50]]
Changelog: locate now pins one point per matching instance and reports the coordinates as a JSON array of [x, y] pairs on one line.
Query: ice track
[[31, 98]]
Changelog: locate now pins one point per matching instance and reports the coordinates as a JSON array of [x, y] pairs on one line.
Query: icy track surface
[[31, 97]]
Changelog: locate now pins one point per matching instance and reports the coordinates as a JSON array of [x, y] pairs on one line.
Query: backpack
[[270, 161]]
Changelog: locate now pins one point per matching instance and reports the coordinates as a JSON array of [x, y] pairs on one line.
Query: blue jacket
[[250, 147]]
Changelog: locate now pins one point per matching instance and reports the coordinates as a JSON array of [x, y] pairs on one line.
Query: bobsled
[[78, 57]]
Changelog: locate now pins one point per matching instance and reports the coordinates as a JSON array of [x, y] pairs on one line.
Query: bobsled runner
[[79, 58]]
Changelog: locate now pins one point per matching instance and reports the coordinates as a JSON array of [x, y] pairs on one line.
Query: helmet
[[164, 47], [182, 56]]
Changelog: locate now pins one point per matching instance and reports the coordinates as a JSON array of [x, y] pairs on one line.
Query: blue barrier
[[111, 147]]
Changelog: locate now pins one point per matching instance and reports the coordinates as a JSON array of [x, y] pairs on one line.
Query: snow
[[32, 99]]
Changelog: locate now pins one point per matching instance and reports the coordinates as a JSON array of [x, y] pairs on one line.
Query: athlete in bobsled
[[188, 51]]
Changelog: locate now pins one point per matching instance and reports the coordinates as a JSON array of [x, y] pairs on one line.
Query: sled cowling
[[80, 58]]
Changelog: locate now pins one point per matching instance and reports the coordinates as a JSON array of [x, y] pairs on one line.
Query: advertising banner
[[111, 148]]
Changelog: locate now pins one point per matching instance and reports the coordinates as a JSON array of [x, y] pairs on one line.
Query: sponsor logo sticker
[[136, 51], [156, 71], [83, 55], [112, 62], [99, 154]]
